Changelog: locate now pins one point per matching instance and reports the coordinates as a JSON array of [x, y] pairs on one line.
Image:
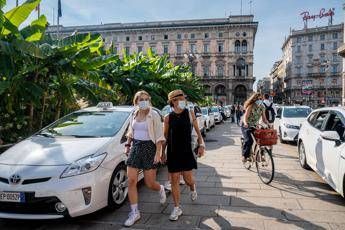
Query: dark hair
[[266, 96]]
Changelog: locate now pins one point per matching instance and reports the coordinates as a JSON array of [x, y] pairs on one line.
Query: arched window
[[244, 46], [237, 46], [220, 71], [220, 90], [240, 67], [207, 89]]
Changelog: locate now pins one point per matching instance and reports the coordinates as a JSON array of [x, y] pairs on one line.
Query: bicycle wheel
[[265, 165]]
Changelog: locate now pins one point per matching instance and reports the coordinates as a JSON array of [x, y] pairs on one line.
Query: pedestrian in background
[[178, 125], [238, 113], [146, 133]]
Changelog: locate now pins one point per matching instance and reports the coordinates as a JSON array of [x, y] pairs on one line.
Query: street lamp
[[191, 58]]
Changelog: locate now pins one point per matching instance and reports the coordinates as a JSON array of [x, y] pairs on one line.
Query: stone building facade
[[277, 76], [264, 85], [341, 52], [313, 68], [219, 51]]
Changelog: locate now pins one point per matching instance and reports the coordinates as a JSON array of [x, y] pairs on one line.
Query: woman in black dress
[[178, 127]]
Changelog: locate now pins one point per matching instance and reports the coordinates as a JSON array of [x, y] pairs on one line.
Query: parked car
[[321, 145], [289, 120], [72, 167], [209, 118], [217, 114]]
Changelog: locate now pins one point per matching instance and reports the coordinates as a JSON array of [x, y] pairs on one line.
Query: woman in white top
[[146, 133]]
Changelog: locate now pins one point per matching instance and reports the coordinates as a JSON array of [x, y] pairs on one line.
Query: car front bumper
[[41, 198], [289, 134]]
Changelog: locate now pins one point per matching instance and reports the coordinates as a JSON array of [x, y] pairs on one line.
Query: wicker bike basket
[[266, 137]]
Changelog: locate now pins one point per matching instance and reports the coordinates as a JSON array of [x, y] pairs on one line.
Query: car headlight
[[291, 126], [84, 165]]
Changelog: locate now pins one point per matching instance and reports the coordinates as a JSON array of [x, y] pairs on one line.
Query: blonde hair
[[251, 100], [138, 94]]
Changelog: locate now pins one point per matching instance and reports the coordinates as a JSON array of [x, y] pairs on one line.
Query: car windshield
[[296, 112], [214, 109], [88, 124], [204, 111]]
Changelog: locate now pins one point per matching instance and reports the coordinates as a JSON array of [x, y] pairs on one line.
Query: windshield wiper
[[45, 135]]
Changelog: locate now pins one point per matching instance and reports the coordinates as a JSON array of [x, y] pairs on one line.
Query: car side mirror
[[124, 137], [279, 116], [331, 136], [198, 114]]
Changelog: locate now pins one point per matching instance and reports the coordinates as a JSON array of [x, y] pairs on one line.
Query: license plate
[[18, 197]]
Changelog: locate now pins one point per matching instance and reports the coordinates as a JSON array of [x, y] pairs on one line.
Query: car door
[[331, 152], [313, 141]]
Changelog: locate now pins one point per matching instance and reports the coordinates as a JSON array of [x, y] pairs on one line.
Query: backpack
[[269, 112]]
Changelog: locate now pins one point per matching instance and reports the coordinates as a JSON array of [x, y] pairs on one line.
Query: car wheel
[[302, 156], [281, 137], [118, 187]]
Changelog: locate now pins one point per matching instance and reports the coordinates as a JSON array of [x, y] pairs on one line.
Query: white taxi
[[72, 167], [321, 145]]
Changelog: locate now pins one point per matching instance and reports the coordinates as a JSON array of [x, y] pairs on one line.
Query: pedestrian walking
[[233, 110], [146, 134], [178, 125], [238, 113], [270, 110]]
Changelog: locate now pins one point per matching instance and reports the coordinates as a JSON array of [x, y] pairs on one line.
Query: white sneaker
[[132, 218], [162, 195], [193, 194], [167, 186], [175, 213], [182, 182]]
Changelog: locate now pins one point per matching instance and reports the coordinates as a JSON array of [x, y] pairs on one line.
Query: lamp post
[[191, 58]]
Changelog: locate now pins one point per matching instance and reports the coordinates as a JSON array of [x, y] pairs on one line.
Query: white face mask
[[182, 104], [143, 104]]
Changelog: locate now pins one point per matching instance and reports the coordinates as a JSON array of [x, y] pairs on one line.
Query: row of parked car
[[320, 140], [75, 165]]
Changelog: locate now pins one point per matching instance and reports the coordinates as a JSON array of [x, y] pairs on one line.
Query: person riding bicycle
[[254, 110]]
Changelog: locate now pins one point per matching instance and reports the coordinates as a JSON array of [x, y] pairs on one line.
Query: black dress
[[180, 156]]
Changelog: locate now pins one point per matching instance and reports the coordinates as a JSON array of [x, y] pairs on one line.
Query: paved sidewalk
[[229, 196]]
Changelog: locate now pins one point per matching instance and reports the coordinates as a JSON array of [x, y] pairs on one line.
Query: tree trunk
[[58, 109], [31, 116], [43, 108]]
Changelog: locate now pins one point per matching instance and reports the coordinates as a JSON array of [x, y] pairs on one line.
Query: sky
[[275, 17]]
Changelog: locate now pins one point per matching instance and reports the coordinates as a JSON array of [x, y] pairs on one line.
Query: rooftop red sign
[[323, 13]]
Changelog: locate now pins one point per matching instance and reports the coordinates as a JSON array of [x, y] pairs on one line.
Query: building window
[[220, 34], [193, 48], [322, 58], [335, 57], [153, 48], [310, 38], [127, 38], [299, 39], [335, 35], [237, 46], [244, 46], [298, 49], [310, 69], [298, 70], [322, 37], [240, 67], [152, 37], [220, 71], [322, 47], [179, 49], [298, 60], [334, 68], [322, 69], [207, 35], [334, 81], [127, 50], [310, 58], [220, 47], [335, 45], [165, 49], [140, 38], [179, 36], [310, 48], [206, 48], [166, 37], [192, 36], [206, 71], [140, 49]]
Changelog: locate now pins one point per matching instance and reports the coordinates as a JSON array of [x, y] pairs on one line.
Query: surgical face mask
[[182, 104], [258, 102], [143, 104]]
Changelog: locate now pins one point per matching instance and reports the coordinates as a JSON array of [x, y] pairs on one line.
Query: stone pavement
[[229, 196]]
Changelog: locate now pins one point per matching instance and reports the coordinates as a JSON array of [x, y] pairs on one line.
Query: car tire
[[281, 137], [118, 185], [302, 156]]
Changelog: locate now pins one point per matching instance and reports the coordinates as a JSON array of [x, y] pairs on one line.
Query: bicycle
[[263, 159]]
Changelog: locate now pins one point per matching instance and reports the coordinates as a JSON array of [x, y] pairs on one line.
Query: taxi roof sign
[[105, 105]]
